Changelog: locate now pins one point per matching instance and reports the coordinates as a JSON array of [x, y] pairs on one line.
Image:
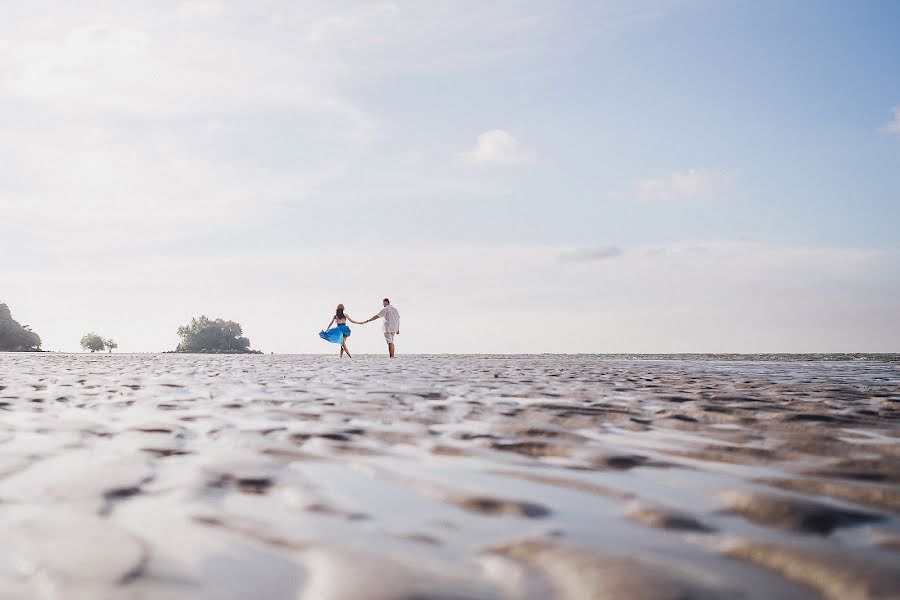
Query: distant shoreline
[[684, 356]]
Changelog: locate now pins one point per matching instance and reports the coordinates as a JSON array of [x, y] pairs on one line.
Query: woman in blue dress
[[340, 332]]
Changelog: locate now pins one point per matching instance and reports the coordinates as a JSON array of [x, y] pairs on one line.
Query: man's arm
[[370, 319], [377, 316]]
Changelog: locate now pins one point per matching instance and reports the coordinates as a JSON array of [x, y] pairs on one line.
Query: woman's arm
[[329, 324], [349, 318]]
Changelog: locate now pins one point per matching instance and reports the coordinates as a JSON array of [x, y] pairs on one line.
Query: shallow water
[[694, 476]]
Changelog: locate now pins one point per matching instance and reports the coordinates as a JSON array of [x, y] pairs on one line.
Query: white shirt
[[391, 319]]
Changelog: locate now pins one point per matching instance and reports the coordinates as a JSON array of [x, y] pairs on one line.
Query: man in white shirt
[[391, 323]]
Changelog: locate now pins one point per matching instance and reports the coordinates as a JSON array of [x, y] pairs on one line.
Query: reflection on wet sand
[[506, 477]]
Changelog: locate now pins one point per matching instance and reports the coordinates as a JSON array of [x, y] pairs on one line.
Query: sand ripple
[[131, 476]]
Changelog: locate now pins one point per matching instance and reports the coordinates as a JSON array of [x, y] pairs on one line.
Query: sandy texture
[[174, 476]]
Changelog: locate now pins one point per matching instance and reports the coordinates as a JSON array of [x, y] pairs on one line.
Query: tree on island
[[15, 337], [204, 335], [110, 344], [93, 342]]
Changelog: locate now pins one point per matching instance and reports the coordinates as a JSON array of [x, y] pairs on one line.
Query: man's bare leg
[[391, 349]]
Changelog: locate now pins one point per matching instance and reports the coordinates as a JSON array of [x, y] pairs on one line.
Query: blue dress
[[336, 334]]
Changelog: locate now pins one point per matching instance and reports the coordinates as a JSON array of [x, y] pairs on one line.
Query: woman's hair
[[339, 313]]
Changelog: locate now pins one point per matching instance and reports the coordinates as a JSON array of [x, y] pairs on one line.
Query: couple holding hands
[[341, 331]]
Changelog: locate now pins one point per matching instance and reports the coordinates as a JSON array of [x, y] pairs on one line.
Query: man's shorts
[[389, 337]]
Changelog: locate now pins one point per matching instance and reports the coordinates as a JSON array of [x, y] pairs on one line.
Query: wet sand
[[172, 476]]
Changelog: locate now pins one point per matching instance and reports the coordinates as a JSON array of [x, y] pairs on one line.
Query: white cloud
[[497, 147], [154, 72], [85, 188], [433, 37], [355, 27], [693, 183], [592, 254], [200, 9], [209, 57], [128, 123], [893, 126]]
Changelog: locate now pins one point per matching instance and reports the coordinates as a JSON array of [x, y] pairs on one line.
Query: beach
[[453, 476]]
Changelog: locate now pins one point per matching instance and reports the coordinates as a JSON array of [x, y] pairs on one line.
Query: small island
[[15, 337], [207, 336], [95, 343]]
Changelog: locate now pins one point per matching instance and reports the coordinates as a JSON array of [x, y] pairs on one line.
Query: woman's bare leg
[[345, 349]]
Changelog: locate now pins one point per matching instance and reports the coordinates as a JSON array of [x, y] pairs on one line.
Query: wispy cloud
[[86, 189], [682, 185], [159, 72], [893, 126], [357, 26], [147, 122], [591, 254], [497, 147]]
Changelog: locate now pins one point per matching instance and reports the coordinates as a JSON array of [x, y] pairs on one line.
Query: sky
[[516, 175]]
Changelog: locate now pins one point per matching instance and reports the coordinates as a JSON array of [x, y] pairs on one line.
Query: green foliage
[[15, 337], [93, 342], [214, 337], [110, 344]]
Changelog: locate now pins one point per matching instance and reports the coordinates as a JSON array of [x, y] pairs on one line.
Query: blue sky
[[666, 175]]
